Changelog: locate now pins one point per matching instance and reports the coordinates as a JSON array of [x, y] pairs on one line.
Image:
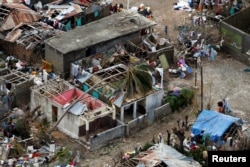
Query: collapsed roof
[[31, 35], [161, 155], [108, 83], [63, 11], [64, 94], [12, 14]]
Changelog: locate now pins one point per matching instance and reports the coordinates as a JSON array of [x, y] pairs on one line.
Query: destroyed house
[[26, 41], [105, 85], [95, 37], [86, 117], [12, 14], [161, 155], [16, 85], [67, 16]]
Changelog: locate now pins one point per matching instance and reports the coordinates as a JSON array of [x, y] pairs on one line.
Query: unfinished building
[[95, 37], [12, 14], [26, 41], [86, 118], [15, 86], [21, 34], [74, 14], [135, 113]]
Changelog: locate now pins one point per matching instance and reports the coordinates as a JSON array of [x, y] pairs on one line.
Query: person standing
[[226, 106], [220, 107], [166, 30]]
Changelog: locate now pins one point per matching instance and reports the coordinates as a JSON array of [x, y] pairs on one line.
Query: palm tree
[[138, 81]]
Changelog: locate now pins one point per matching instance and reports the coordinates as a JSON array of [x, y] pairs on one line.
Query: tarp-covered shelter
[[213, 124]]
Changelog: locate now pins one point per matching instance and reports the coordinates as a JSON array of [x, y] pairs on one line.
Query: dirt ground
[[223, 77]]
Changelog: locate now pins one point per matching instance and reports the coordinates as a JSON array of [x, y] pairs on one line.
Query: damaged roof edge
[[108, 28]]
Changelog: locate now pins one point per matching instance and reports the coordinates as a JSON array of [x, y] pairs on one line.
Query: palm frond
[[145, 67], [138, 82]]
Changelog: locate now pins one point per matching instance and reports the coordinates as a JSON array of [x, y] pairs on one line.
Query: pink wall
[[67, 97]]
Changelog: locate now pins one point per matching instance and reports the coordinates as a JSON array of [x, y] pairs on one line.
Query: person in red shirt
[[220, 107]]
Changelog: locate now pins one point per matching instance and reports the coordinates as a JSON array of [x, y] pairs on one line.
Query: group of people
[[218, 5], [116, 8], [223, 106], [145, 11], [142, 9]]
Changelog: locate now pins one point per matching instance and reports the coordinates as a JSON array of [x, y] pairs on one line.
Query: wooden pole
[[195, 73], [201, 88]]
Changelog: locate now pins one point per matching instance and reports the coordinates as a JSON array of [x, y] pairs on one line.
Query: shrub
[[22, 129], [187, 94], [183, 99]]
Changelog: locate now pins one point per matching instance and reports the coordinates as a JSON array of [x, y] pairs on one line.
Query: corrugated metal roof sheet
[[18, 6], [66, 11], [78, 108], [19, 13], [82, 2], [9, 1], [164, 153], [31, 34], [14, 35]]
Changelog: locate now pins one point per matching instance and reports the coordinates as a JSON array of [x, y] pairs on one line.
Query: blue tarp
[[213, 123]]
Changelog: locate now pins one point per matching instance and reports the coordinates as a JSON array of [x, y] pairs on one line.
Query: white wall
[[69, 124], [154, 100]]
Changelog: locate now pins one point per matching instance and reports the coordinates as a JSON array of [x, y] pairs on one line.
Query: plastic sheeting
[[213, 123]]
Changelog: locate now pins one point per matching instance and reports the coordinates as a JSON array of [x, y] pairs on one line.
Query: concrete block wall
[[102, 139], [137, 124], [153, 101], [69, 124], [162, 111], [102, 47], [22, 92], [54, 57], [45, 103], [144, 121]]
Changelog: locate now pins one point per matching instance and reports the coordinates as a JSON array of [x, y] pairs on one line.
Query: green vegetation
[[146, 146], [197, 155], [137, 81], [184, 98], [22, 128], [64, 155]]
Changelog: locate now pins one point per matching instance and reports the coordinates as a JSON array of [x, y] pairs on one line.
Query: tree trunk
[[181, 137]]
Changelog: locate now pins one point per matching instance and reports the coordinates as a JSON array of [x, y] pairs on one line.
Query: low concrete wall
[[103, 138], [162, 111], [137, 124], [144, 121], [128, 129]]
